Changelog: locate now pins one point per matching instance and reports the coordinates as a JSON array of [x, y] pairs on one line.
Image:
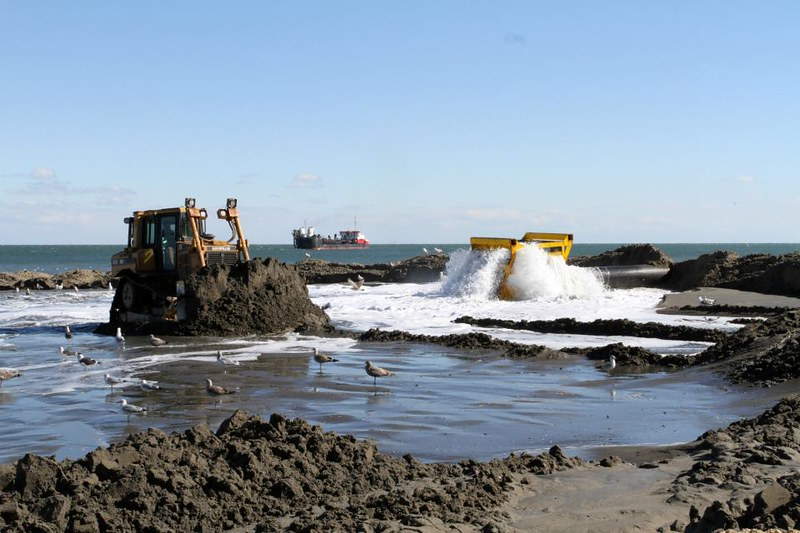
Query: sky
[[418, 121]]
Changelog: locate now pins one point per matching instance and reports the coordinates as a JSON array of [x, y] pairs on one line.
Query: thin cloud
[[44, 181], [514, 39], [41, 181], [746, 179], [493, 214], [306, 181]]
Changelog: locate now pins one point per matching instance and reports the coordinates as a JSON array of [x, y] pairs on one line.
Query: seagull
[[216, 389], [86, 361], [59, 286], [356, 285], [114, 380], [704, 300], [28, 291], [308, 254], [155, 341], [66, 352], [119, 336], [8, 373], [226, 361], [76, 288], [67, 332], [322, 358], [437, 250], [611, 364], [376, 372], [110, 287], [148, 386], [129, 408], [425, 251]]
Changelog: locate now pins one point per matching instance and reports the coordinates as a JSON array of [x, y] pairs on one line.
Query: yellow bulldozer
[[164, 247], [558, 244]]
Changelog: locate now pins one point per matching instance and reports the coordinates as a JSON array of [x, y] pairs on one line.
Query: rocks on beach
[[79, 278]]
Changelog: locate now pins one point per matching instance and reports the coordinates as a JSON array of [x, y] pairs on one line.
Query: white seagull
[[114, 380], [226, 361], [8, 373], [704, 300], [611, 364], [66, 352], [437, 250], [155, 341], [376, 372], [425, 251], [147, 385], [119, 336], [217, 390], [356, 285], [67, 332], [322, 358], [129, 408]]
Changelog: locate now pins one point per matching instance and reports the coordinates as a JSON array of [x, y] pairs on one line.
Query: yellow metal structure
[[559, 244]]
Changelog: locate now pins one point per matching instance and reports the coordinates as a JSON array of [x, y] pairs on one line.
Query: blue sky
[[431, 122]]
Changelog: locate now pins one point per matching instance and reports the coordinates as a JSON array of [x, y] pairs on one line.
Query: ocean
[[54, 259], [440, 405]]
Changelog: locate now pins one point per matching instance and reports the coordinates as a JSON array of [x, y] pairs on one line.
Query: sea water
[[56, 259], [441, 404]]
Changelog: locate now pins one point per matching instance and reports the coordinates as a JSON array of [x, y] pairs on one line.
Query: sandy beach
[[244, 472]]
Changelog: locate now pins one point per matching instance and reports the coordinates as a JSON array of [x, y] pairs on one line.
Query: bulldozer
[[556, 244], [165, 246]]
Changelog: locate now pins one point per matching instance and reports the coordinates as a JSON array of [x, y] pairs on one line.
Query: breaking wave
[[535, 275]]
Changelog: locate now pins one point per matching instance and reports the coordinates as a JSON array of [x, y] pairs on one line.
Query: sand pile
[[257, 297], [281, 474]]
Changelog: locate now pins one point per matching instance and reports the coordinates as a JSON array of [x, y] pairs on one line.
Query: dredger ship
[[306, 238]]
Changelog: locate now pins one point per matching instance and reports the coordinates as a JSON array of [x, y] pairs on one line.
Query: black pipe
[[629, 276]]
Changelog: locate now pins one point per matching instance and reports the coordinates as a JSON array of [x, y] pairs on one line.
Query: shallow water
[[441, 404]]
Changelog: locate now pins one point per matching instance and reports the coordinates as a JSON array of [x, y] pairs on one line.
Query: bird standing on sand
[[8, 373], [217, 390], [86, 361], [611, 364], [155, 341], [129, 408], [322, 358], [704, 300], [119, 337], [376, 372], [67, 332]]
